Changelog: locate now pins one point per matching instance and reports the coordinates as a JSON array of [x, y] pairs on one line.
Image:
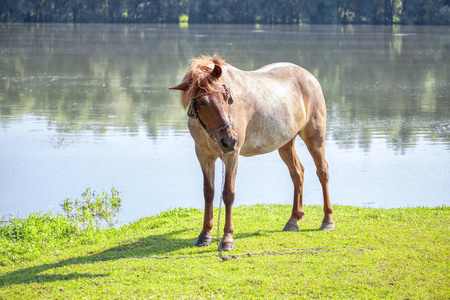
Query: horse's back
[[276, 67], [292, 77], [281, 69]]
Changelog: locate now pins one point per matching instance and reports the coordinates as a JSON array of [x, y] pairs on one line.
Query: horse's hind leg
[[314, 136], [296, 170]]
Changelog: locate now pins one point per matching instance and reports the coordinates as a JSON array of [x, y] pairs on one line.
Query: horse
[[233, 112]]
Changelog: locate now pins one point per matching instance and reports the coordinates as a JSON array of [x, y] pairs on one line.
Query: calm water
[[88, 106]]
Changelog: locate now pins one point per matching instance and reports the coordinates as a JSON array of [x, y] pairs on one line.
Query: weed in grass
[[26, 239], [93, 208], [22, 239]]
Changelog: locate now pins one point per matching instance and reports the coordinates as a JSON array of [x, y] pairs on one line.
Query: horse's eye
[[201, 103]]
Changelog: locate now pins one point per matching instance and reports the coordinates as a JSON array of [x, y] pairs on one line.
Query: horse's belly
[[265, 139], [255, 149]]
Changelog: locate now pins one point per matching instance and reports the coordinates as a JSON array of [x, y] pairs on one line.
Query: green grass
[[410, 258]]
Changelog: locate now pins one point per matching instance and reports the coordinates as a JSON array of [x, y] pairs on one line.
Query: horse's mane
[[198, 77]]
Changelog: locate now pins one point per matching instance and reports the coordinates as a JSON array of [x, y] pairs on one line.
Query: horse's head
[[208, 101]]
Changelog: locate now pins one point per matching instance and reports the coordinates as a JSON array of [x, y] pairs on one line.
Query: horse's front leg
[[231, 164], [208, 169]]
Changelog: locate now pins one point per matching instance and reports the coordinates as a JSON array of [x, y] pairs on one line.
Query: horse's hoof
[[203, 240], [327, 226], [226, 246], [290, 227]]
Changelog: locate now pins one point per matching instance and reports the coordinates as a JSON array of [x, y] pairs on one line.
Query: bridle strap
[[211, 132], [224, 89]]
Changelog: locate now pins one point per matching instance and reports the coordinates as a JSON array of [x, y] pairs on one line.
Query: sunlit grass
[[409, 258]]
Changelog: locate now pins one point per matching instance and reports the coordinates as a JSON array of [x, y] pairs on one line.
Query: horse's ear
[[217, 72], [181, 87]]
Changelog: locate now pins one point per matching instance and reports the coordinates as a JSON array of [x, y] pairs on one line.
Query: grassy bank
[[410, 258]]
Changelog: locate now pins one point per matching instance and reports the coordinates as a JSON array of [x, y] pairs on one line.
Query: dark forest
[[377, 12]]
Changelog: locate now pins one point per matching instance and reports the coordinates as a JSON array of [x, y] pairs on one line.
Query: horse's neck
[[252, 87]]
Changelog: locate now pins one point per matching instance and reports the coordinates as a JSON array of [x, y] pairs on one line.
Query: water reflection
[[390, 81], [85, 82]]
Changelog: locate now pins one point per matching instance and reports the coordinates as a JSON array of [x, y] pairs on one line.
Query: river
[[88, 105]]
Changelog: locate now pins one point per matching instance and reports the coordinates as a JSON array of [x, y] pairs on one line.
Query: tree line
[[411, 12]]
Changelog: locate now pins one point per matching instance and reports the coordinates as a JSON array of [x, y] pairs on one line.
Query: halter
[[192, 111]]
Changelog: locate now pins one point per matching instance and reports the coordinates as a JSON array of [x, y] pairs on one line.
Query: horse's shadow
[[153, 245]]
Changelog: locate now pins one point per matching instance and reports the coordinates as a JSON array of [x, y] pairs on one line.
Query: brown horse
[[236, 112]]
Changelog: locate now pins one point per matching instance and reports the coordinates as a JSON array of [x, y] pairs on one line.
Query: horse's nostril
[[225, 143]]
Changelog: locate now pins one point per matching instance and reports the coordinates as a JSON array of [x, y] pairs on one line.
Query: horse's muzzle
[[227, 141]]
